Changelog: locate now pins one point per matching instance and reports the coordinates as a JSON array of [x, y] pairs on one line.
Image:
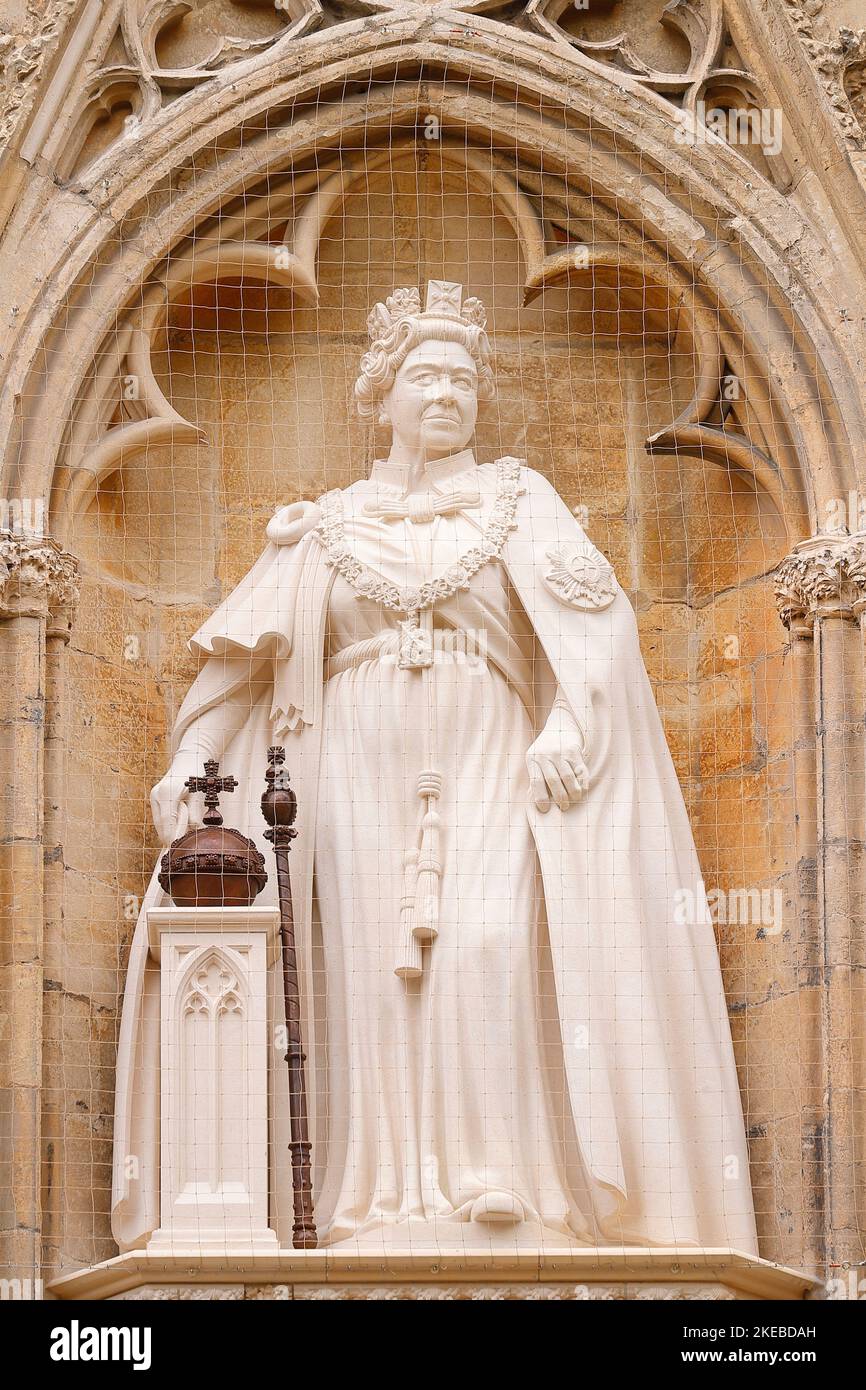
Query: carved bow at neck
[[423, 506]]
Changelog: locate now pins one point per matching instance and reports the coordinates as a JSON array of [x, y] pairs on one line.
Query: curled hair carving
[[392, 344]]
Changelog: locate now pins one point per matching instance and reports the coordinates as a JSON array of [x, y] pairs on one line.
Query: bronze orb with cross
[[213, 866]]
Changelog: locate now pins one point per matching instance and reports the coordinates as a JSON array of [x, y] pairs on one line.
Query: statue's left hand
[[555, 762]]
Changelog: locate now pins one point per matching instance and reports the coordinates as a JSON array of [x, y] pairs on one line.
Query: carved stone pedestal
[[575, 1274], [214, 1077]]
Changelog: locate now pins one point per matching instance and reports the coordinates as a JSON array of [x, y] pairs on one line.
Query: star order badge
[[580, 576]]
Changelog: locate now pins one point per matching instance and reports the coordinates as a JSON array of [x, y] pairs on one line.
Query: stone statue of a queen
[[509, 1033]]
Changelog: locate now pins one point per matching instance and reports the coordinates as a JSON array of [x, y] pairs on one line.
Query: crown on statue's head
[[444, 301]]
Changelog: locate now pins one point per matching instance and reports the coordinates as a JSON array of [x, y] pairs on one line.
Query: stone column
[[36, 579], [63, 599], [800, 622], [855, 566], [822, 593]]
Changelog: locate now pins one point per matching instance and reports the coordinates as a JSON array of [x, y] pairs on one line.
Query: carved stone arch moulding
[[715, 245], [151, 51]]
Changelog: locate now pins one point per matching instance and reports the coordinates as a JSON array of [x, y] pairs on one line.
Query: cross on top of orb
[[211, 785]]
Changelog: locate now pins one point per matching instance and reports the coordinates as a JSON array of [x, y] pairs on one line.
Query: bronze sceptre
[[279, 808]]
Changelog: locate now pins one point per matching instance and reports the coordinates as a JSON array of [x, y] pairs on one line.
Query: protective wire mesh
[[608, 1043]]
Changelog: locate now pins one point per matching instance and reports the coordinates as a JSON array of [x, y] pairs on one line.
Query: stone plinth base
[[614, 1273], [213, 1067]]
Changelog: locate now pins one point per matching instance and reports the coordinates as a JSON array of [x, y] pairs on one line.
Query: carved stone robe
[[568, 1040]]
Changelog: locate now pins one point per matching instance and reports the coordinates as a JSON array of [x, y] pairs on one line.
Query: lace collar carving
[[369, 583]]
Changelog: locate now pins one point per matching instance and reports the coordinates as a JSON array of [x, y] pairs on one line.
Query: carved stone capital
[[824, 577], [38, 579], [832, 55]]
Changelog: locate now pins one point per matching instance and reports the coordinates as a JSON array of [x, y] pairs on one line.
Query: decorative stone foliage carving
[[23, 59], [37, 578], [825, 577], [839, 62]]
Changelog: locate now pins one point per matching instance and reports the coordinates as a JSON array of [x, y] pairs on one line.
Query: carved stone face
[[433, 403]]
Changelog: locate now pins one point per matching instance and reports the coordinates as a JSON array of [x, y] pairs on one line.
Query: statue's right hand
[[169, 801]]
